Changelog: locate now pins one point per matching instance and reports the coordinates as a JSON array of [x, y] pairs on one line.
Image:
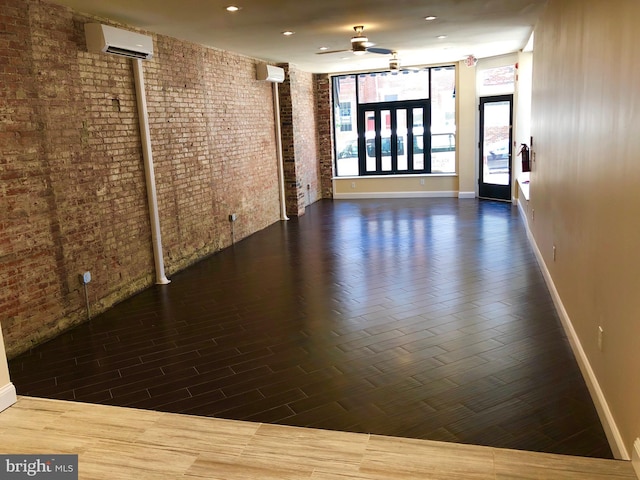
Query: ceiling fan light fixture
[[359, 45], [394, 62]]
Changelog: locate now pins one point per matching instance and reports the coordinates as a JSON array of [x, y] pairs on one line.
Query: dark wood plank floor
[[424, 318]]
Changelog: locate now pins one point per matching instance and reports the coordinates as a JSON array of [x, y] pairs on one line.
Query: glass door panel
[[418, 138], [401, 134], [386, 141], [496, 115], [370, 137]]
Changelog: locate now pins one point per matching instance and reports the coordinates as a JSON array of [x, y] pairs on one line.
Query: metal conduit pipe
[[149, 174]]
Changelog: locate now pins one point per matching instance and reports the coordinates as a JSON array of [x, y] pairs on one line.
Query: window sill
[[523, 181], [413, 175]]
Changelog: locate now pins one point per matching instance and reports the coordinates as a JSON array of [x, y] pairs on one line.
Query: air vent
[[126, 53]]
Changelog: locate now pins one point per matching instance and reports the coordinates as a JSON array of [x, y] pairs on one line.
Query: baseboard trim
[[635, 457], [364, 195], [7, 396], [466, 194], [597, 395]]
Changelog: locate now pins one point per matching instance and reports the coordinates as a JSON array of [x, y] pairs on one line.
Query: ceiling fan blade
[[381, 51], [332, 51]]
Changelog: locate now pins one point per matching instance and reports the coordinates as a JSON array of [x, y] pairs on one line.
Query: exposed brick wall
[[215, 148], [30, 257], [304, 123], [291, 185], [299, 140], [72, 188], [325, 133]]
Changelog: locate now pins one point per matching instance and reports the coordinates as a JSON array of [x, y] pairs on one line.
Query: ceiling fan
[[394, 65], [360, 45], [394, 62]]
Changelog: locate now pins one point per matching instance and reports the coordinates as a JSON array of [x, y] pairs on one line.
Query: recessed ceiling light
[[288, 33], [429, 18], [441, 37], [232, 8], [323, 48]]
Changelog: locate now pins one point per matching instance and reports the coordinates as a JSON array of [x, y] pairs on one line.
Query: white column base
[[466, 194], [7, 396]]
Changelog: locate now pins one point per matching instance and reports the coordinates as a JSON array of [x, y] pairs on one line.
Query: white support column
[[152, 198]]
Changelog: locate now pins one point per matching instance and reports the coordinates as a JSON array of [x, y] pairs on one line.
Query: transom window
[[405, 122]]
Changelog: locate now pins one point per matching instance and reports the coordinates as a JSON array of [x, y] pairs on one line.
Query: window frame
[[397, 145], [361, 131]]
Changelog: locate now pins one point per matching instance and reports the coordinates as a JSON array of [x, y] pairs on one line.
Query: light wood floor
[[123, 443]]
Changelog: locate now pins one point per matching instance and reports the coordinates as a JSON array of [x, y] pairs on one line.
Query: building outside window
[[345, 121], [405, 122]]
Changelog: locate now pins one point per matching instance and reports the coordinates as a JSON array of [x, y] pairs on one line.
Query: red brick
[[74, 186]]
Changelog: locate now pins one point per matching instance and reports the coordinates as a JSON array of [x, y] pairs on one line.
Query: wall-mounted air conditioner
[[103, 38], [269, 73]]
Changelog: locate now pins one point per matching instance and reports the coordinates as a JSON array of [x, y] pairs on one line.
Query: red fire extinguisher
[[524, 152]]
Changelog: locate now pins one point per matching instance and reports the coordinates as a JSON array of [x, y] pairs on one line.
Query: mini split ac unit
[[269, 73], [103, 38]]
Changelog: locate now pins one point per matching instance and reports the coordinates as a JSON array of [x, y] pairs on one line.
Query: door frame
[[489, 190], [393, 107]]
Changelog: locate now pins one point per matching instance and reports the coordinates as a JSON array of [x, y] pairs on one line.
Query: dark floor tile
[[424, 318]]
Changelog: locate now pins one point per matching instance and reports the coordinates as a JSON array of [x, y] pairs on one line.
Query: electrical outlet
[[353, 184], [533, 214], [600, 337], [422, 181], [85, 278], [554, 253], [233, 217]]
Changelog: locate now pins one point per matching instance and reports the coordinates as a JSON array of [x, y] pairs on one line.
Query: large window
[[345, 117], [405, 122]]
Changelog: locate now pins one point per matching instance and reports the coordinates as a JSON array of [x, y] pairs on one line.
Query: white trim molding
[[466, 194], [635, 457], [597, 395], [363, 195], [7, 396]]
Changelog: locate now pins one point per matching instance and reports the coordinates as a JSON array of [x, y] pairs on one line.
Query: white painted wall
[[586, 195]]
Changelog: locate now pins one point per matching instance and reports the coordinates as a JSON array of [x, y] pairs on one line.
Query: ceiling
[[482, 28]]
